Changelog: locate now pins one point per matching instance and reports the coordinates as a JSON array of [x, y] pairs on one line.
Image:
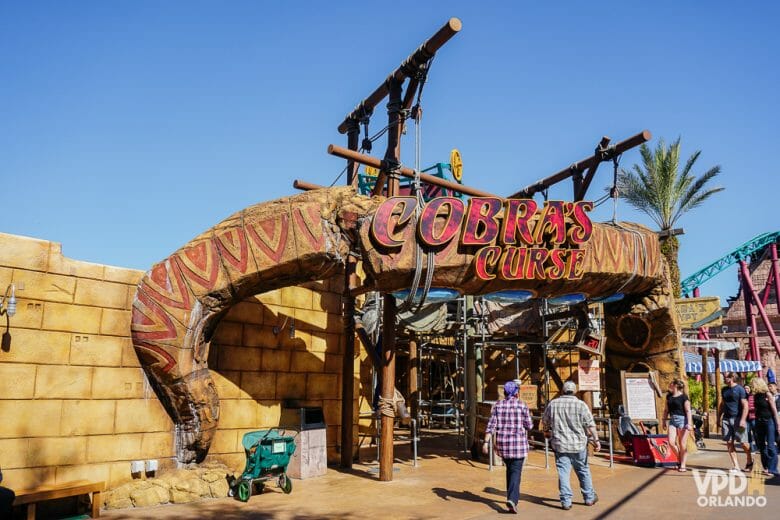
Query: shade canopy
[[693, 364]]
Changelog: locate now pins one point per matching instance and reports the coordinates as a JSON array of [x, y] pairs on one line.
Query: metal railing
[[607, 420], [414, 434]]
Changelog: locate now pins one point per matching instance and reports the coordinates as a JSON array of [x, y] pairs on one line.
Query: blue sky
[[130, 127]]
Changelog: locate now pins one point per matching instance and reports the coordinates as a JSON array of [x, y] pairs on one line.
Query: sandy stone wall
[[281, 347], [74, 403]]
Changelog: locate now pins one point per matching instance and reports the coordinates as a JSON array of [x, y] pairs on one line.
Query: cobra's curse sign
[[512, 239]]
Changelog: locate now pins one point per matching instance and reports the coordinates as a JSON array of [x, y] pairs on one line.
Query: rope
[[638, 238], [418, 252], [416, 186], [386, 406]]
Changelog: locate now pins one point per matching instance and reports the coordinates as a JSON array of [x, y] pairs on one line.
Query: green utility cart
[[268, 453]]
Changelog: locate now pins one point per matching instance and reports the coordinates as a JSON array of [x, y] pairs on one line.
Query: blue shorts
[[678, 421], [732, 432]]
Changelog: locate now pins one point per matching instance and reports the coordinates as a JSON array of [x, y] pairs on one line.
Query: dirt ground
[[445, 484]]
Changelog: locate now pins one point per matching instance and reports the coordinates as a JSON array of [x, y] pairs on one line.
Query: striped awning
[[693, 364]]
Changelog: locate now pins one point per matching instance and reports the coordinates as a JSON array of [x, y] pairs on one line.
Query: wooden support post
[[392, 155], [348, 359], [97, 501], [388, 388], [413, 387], [581, 186], [716, 353], [705, 386]]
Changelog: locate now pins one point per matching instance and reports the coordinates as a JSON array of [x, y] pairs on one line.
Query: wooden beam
[[582, 165], [306, 186], [419, 57], [344, 153]]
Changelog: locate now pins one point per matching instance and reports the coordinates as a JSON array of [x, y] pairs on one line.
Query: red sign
[[515, 239]]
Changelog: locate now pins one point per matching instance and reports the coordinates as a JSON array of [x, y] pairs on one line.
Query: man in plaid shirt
[[569, 423], [509, 421]]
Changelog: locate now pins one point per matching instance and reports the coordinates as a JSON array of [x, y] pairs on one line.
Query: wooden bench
[[30, 497]]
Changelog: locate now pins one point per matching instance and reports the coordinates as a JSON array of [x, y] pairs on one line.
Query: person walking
[[772, 385], [570, 425], [751, 419], [767, 425], [7, 497], [733, 416], [509, 423], [678, 420]]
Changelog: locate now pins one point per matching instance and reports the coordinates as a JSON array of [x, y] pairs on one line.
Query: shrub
[[696, 392]]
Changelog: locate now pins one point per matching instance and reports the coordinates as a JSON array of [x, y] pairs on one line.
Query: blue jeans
[[579, 461], [514, 469], [6, 502], [767, 444], [751, 430]]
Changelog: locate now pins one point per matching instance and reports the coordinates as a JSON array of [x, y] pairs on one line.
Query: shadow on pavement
[[218, 511], [447, 494], [627, 497]]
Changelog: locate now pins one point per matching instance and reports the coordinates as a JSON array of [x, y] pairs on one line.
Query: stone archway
[[308, 237]]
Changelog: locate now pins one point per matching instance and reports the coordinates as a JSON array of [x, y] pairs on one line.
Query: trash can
[[311, 454]]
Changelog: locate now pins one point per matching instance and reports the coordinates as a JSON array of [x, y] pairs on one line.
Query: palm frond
[[658, 187]]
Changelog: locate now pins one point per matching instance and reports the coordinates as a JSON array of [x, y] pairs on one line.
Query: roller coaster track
[[740, 253]]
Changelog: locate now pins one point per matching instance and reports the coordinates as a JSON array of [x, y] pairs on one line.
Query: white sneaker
[[735, 471]]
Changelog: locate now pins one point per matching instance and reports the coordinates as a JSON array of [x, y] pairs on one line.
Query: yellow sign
[[529, 394], [699, 312], [456, 165], [371, 171]]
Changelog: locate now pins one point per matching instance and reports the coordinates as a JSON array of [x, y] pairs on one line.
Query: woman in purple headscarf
[[509, 423]]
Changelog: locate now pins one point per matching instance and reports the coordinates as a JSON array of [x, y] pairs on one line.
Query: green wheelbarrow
[[268, 453]]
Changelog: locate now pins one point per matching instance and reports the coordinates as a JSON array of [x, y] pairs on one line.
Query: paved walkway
[[447, 485]]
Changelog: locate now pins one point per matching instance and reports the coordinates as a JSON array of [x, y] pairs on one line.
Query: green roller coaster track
[[740, 253]]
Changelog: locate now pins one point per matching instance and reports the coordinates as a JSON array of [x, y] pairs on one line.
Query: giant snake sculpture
[[309, 236]]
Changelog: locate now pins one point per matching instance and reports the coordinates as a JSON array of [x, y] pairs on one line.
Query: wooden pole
[[411, 64], [705, 386], [348, 360], [413, 389], [580, 166], [338, 151], [388, 388], [393, 154], [716, 352]]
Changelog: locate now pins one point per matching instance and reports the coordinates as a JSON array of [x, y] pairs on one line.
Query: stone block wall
[[283, 347], [74, 403], [73, 400]]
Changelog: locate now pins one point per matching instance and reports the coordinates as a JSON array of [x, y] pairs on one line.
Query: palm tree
[[657, 188]]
